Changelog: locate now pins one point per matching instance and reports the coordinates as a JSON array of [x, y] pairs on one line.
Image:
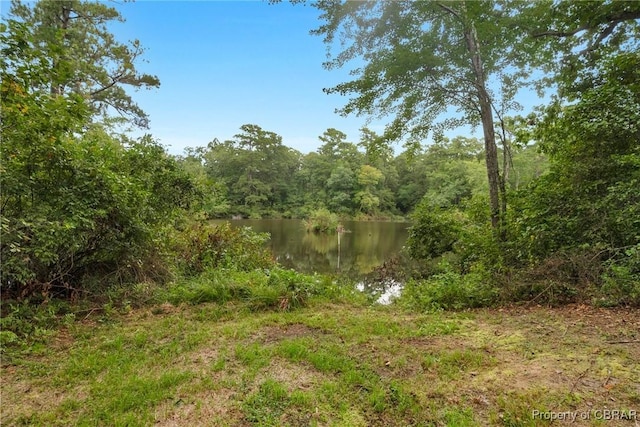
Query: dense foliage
[[85, 207], [82, 206], [572, 233], [347, 179]]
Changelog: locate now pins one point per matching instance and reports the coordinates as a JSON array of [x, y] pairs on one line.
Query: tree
[[380, 155], [79, 207], [334, 170], [589, 197], [422, 58], [82, 56], [590, 131], [256, 168], [368, 178]]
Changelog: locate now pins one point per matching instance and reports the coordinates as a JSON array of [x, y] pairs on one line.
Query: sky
[[223, 64]]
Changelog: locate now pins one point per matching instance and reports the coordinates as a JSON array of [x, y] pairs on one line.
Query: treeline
[[551, 215], [255, 175]]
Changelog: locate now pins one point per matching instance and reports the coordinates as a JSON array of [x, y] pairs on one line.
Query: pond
[[364, 246]]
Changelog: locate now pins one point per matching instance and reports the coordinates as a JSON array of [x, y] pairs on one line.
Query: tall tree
[[82, 55], [423, 58], [78, 205]]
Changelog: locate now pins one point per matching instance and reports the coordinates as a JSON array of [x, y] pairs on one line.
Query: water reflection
[[386, 292], [364, 246]]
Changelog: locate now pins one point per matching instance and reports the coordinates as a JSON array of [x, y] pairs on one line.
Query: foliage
[[213, 202], [71, 39], [434, 231], [321, 221], [255, 167], [84, 208], [24, 324], [573, 39], [201, 247], [588, 197], [89, 207], [363, 181], [81, 208], [450, 290], [423, 58], [621, 279]]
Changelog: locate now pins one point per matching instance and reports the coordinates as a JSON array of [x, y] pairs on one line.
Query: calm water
[[366, 245]]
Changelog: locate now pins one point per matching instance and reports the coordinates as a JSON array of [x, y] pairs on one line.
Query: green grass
[[324, 364]]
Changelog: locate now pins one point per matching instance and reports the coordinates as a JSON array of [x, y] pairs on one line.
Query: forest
[[122, 303], [257, 176], [549, 199]]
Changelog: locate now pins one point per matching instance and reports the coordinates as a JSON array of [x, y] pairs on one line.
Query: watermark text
[[595, 414]]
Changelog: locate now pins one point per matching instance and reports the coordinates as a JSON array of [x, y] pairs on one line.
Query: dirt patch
[[22, 398], [276, 333], [294, 376], [208, 408], [201, 358]]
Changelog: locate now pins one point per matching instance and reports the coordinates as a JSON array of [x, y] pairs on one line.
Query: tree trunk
[[57, 88], [490, 148]]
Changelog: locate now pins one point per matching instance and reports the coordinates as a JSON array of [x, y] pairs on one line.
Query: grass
[[326, 364]]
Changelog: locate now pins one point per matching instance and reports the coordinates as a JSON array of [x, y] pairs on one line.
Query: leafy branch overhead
[[83, 57]]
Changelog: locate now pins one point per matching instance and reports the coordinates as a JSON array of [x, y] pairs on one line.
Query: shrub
[[86, 209], [434, 231], [450, 291], [621, 280], [321, 221], [203, 246]]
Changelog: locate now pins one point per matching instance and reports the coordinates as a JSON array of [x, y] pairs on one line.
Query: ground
[[332, 364]]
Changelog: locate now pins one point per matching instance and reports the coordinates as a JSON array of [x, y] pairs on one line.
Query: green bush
[[434, 231], [202, 246], [621, 280], [79, 210], [450, 291], [321, 221]]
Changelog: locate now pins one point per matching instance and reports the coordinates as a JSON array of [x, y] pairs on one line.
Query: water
[[365, 245]]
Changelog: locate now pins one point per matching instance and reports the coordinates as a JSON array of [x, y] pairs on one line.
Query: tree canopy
[[82, 57]]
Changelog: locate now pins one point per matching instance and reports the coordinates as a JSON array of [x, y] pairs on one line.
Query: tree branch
[[561, 33], [613, 20], [450, 10], [114, 81]]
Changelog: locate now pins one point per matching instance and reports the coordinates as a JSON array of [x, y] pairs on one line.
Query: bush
[[450, 291], [434, 231], [86, 209], [201, 247], [321, 221], [621, 280]]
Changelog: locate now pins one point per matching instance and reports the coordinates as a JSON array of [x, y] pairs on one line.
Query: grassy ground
[[341, 365]]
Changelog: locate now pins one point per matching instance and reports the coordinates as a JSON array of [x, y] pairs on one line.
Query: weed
[[450, 364], [266, 406], [253, 355]]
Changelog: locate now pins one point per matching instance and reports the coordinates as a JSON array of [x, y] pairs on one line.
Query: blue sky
[[223, 64]]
